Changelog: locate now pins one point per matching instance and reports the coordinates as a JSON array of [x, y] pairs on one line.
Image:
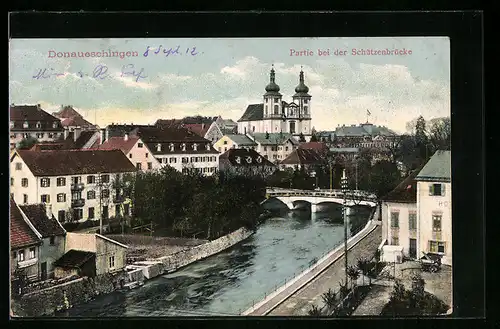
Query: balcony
[[77, 186], [77, 203]]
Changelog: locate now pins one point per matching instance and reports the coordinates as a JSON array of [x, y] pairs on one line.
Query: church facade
[[275, 115]]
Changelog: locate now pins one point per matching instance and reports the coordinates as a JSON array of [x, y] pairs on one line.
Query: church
[[275, 115]]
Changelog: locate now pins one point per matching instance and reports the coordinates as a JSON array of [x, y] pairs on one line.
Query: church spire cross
[[272, 76]]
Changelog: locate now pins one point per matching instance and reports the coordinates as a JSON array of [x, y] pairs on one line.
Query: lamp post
[[356, 164], [343, 185]]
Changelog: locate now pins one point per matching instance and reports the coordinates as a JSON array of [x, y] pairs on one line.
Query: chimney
[[101, 135], [107, 134], [48, 210], [38, 106], [77, 133], [125, 138]]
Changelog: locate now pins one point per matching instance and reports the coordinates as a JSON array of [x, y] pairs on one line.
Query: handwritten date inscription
[[172, 51], [100, 72]]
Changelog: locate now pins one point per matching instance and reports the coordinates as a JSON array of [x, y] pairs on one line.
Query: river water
[[230, 282]]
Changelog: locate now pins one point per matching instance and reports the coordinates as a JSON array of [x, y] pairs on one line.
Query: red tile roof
[[199, 129], [314, 146], [406, 191], [33, 114], [75, 162], [76, 121], [67, 112], [119, 143], [37, 215], [304, 156], [21, 235]]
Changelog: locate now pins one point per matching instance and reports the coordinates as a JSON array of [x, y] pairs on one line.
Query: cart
[[430, 262]]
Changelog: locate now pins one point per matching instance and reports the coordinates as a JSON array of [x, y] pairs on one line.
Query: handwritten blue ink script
[[100, 72], [190, 51]]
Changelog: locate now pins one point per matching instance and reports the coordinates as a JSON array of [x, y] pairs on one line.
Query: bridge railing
[[362, 195]]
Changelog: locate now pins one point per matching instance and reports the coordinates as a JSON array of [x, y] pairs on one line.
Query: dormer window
[[238, 160], [38, 125], [12, 124], [25, 124], [208, 147], [54, 124], [249, 159], [171, 147], [195, 147], [183, 147], [158, 147], [259, 159]]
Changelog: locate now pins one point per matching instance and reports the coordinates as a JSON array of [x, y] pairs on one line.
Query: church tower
[[273, 109], [303, 100]]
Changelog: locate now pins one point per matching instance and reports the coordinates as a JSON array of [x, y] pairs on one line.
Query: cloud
[[242, 69]]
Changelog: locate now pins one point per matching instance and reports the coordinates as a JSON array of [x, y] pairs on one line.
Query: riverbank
[[279, 302]]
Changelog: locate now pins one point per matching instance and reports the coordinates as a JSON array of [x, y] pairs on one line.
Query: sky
[[222, 76]]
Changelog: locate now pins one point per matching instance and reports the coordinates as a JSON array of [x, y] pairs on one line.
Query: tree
[[398, 293], [314, 311], [27, 143], [314, 138], [417, 293], [302, 139], [343, 290], [353, 274], [365, 267], [330, 299], [440, 134], [385, 177]]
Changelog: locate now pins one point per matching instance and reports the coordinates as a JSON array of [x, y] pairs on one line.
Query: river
[[230, 282]]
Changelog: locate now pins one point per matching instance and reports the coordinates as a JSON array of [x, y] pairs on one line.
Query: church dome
[[301, 88], [272, 87]]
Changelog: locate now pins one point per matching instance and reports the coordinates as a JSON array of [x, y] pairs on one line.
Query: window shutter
[[443, 189], [431, 189]]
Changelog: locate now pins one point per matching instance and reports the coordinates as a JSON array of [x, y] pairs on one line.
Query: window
[[140, 145], [305, 101], [436, 222], [20, 256], [61, 216], [412, 221], [45, 198], [91, 213], [45, 182], [76, 180], [38, 124], [150, 165], [138, 165], [111, 261], [52, 240], [225, 142], [105, 193], [286, 148], [25, 124], [130, 155], [19, 166], [12, 181], [305, 110], [25, 198], [146, 155], [32, 253], [183, 147], [437, 247], [105, 178], [436, 189], [395, 219], [54, 124], [61, 197], [265, 148], [61, 181], [395, 241], [90, 179], [158, 147], [276, 100], [90, 195], [276, 111]]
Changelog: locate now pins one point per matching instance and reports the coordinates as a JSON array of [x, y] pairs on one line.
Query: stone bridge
[[291, 197]]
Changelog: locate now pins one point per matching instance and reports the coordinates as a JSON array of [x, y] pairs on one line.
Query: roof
[[406, 191], [168, 123], [21, 234], [33, 114], [165, 134], [253, 112], [119, 143], [241, 140], [438, 168], [115, 130], [319, 146], [74, 259], [76, 121], [229, 123], [75, 162], [344, 149], [66, 112], [37, 216], [273, 138], [365, 129], [244, 158], [303, 157], [70, 144], [111, 240], [199, 129]]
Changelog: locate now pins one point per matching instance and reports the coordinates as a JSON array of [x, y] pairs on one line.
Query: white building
[[32, 121], [275, 115], [232, 141], [76, 185], [434, 206], [276, 146], [134, 149], [180, 148], [416, 215]]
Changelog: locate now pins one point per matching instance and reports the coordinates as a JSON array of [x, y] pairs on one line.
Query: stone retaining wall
[[64, 296]]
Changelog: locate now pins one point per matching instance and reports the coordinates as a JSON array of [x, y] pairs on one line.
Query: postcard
[[222, 177]]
